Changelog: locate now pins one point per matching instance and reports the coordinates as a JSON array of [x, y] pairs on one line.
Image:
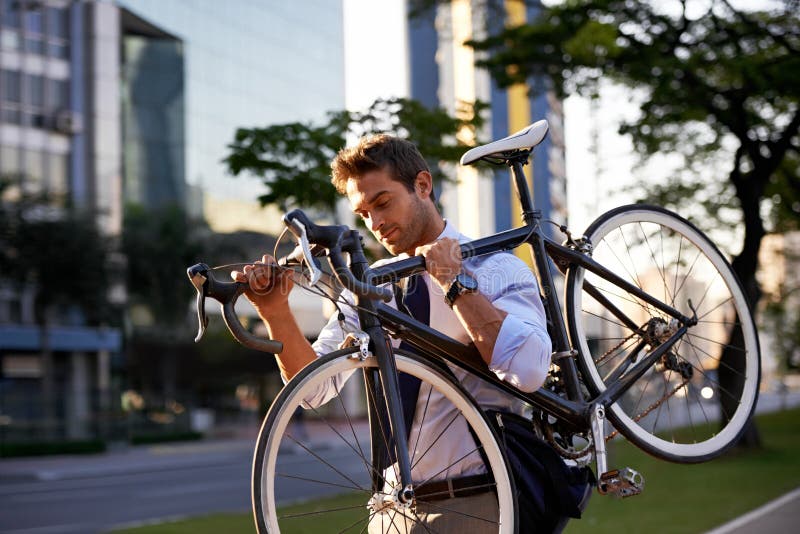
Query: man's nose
[[375, 222]]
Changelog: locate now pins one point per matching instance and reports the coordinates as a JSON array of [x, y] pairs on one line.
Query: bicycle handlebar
[[313, 240], [226, 293]]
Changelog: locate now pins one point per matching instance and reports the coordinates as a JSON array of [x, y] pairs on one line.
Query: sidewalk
[[780, 515], [220, 447]]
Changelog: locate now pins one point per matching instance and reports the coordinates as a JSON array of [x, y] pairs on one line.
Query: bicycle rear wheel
[[694, 403], [313, 469]]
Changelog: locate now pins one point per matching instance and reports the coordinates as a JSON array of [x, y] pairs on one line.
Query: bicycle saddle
[[526, 138]]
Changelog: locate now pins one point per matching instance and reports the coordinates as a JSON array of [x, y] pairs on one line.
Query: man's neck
[[430, 236]]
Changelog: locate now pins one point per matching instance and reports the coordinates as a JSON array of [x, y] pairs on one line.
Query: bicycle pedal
[[621, 483]]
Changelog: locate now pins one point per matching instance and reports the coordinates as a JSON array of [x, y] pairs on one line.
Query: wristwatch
[[463, 283]]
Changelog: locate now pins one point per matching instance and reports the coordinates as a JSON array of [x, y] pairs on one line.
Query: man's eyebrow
[[371, 200]]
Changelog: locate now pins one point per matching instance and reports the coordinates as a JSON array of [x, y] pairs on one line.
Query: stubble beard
[[412, 235]]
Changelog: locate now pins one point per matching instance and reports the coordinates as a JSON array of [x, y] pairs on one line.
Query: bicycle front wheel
[[314, 469], [694, 403]]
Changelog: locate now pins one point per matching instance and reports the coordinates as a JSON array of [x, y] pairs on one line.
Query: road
[[95, 494]]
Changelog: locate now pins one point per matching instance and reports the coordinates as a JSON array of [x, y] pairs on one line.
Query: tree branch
[[779, 148]]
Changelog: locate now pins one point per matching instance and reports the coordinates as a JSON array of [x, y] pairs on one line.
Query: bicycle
[[656, 336]]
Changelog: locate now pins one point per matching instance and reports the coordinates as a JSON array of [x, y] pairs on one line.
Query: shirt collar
[[449, 231]]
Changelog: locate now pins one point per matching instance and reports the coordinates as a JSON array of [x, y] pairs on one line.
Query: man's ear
[[423, 184]]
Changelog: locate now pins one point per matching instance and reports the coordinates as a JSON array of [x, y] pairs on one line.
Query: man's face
[[400, 219]]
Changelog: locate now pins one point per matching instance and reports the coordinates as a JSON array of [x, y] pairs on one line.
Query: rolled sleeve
[[521, 354]]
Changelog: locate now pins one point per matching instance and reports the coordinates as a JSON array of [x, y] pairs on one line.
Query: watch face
[[469, 283]]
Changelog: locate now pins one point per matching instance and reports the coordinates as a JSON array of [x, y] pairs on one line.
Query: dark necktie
[[415, 302]]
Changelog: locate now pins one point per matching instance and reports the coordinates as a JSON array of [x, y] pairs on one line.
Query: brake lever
[[197, 275], [299, 230]]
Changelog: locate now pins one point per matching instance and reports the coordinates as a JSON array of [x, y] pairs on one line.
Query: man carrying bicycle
[[492, 301]]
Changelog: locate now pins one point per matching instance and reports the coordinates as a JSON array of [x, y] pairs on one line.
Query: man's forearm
[[481, 320], [297, 351]]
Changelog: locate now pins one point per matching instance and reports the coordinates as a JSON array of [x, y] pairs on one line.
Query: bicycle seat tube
[[380, 345]]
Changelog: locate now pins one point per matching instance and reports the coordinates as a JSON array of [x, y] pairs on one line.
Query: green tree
[[293, 160], [712, 76]]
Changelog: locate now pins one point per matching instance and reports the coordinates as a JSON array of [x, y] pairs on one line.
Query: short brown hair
[[400, 157]]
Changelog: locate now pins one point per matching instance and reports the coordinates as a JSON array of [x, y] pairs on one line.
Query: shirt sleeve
[[328, 341], [332, 333], [522, 351]]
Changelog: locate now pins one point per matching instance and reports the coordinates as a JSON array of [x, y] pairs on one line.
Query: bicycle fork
[[395, 437]]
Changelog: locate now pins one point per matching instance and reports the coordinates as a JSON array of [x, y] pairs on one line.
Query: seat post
[[521, 185]]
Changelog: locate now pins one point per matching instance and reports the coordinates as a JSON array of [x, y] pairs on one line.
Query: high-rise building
[[247, 64], [443, 73]]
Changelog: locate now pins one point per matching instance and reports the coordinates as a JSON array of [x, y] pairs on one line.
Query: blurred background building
[[442, 73], [105, 104]]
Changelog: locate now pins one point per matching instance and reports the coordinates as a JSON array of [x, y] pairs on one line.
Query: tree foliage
[[57, 252], [159, 245], [293, 160]]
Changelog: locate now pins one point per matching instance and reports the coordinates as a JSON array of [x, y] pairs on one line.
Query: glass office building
[[247, 64]]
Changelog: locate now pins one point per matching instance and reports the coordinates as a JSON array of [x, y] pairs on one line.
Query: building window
[[58, 175], [9, 13], [9, 161], [57, 94], [9, 39], [33, 165], [36, 171], [34, 35], [57, 33], [10, 96], [45, 28], [10, 84], [43, 99]]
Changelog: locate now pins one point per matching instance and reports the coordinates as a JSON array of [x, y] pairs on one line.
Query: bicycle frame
[[574, 410]]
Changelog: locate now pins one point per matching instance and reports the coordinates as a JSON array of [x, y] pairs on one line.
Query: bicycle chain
[[614, 348], [652, 407]]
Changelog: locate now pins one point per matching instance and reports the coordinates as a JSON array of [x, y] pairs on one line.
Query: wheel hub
[[382, 502]]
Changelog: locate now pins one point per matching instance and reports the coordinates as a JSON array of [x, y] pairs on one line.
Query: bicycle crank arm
[[620, 483]]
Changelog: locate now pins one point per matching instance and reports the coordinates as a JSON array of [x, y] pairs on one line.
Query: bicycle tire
[[681, 410], [273, 471]]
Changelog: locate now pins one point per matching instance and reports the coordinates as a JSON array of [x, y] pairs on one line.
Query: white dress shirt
[[521, 357]]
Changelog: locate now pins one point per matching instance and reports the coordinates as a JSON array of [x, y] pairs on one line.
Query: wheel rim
[[273, 476], [667, 409]]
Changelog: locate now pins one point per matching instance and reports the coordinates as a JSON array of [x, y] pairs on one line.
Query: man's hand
[[442, 260], [268, 286]]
